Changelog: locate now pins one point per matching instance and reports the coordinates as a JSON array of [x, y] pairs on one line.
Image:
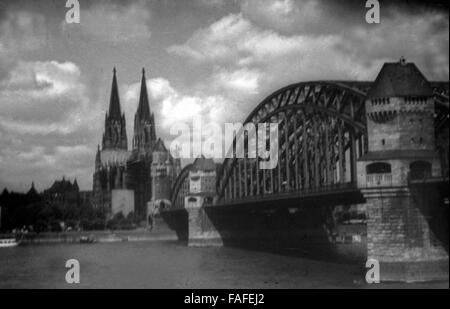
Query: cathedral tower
[[144, 126], [110, 161], [115, 135]]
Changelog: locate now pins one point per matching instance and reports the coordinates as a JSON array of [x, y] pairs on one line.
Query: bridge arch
[[179, 187], [324, 118]]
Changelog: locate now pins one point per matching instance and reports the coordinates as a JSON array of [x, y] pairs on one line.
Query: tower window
[[383, 142]]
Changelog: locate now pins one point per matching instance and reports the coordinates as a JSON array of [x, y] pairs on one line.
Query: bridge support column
[[400, 236], [201, 230]]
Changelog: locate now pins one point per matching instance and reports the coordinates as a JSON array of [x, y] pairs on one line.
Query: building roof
[[63, 185], [203, 164], [32, 190], [400, 79]]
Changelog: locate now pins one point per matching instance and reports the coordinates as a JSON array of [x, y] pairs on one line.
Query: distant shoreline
[[98, 236]]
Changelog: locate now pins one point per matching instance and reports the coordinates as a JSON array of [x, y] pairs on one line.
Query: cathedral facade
[[119, 168]]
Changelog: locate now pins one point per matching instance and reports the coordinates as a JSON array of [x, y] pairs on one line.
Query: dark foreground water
[[173, 265]]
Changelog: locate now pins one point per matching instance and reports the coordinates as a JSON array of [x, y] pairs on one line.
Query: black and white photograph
[[233, 147]]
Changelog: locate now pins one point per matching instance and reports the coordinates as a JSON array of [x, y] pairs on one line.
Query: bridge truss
[[322, 133]]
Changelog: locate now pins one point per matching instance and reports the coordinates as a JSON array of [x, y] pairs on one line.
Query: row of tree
[[36, 213]]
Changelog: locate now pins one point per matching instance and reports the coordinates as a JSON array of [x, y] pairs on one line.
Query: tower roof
[[203, 164], [32, 190], [159, 146], [143, 111], [114, 102], [5, 192], [400, 79]]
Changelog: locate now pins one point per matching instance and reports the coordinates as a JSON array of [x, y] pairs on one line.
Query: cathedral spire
[[114, 103], [144, 125], [75, 184], [115, 136], [143, 111], [98, 158]]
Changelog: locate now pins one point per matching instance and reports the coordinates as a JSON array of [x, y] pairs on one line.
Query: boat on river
[[8, 242]]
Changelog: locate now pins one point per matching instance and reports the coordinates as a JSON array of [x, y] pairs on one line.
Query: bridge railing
[[379, 179], [292, 193]]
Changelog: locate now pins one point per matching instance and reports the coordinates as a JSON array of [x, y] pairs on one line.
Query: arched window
[[378, 168], [420, 169]]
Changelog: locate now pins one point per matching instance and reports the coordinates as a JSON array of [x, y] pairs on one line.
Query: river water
[[171, 265]]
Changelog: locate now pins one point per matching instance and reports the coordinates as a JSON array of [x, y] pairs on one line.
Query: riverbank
[[139, 235]]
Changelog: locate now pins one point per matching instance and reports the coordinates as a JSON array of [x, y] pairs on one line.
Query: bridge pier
[[400, 237], [201, 230]]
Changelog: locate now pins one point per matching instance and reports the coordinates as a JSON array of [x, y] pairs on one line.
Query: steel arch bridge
[[322, 133]]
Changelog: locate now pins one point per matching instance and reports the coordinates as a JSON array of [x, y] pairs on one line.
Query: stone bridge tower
[[401, 150]]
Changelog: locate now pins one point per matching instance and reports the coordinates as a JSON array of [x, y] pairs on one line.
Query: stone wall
[[401, 237]]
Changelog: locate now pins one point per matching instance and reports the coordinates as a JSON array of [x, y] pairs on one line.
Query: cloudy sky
[[213, 58]]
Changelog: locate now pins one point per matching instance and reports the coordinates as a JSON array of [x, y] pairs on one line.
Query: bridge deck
[[329, 195]]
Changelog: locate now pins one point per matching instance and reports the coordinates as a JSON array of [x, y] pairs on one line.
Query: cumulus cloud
[[113, 23], [423, 39], [249, 61], [171, 105], [42, 97], [21, 31], [210, 3], [235, 38], [45, 123], [235, 43], [282, 15], [242, 81]]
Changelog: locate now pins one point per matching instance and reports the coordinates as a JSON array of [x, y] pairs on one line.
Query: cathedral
[[121, 172]]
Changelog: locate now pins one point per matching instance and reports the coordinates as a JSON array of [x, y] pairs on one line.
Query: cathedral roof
[[143, 111], [399, 79], [114, 102]]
